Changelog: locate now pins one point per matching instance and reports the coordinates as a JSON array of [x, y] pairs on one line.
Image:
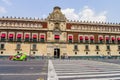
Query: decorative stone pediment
[[56, 15], [56, 29]]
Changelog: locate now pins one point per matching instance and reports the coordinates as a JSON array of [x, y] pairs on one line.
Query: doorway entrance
[[56, 53]]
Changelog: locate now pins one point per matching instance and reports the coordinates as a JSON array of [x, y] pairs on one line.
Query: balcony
[[34, 40], [42, 40], [19, 40], [10, 39], [27, 40], [3, 39]]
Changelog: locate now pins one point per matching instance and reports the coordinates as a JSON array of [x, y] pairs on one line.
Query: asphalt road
[[23, 70]]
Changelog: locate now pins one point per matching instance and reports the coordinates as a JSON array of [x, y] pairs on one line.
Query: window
[[70, 38], [81, 39], [86, 47], [118, 40], [18, 47], [97, 47], [3, 36], [34, 46], [56, 37], [97, 52], [19, 37], [2, 46], [75, 53], [11, 37], [113, 40], [42, 38], [86, 53], [107, 40], [33, 52], [101, 39], [118, 47], [108, 47], [86, 39], [91, 39], [34, 38], [27, 37], [75, 47], [108, 53], [1, 52]]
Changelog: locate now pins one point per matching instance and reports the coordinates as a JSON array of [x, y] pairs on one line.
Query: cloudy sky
[[89, 10]]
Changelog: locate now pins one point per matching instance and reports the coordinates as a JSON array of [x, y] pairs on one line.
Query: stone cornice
[[22, 19], [92, 23]]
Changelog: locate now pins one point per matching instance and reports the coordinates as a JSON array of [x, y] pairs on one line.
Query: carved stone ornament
[[57, 15]]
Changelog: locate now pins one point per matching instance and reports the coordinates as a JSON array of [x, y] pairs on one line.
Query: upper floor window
[[3, 37], [118, 40], [81, 39], [113, 39], [27, 37], [42, 38], [34, 38], [107, 40], [86, 39], [11, 37], [91, 39], [19, 36], [70, 38], [56, 37], [101, 39]]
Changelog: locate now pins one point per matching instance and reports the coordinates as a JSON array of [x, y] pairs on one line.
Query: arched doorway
[[56, 53]]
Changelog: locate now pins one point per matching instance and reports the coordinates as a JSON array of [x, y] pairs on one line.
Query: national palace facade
[[56, 36]]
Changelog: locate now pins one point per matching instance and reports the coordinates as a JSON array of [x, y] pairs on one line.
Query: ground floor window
[[34, 46], [97, 52], [86, 53], [75, 53], [18, 46], [2, 46]]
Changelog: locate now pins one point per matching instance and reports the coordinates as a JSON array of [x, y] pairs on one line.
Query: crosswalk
[[85, 70]]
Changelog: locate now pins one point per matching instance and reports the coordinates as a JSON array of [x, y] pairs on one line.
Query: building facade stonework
[[56, 36]]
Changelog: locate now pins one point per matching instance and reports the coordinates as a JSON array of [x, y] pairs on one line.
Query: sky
[[85, 10]]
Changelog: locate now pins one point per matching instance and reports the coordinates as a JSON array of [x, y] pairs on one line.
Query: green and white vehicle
[[19, 57]]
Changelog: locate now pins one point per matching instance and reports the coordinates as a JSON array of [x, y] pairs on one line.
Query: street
[[60, 70], [23, 70]]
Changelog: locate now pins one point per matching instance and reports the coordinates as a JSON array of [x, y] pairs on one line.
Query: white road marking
[[118, 78], [51, 72], [85, 68], [95, 75], [90, 72]]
